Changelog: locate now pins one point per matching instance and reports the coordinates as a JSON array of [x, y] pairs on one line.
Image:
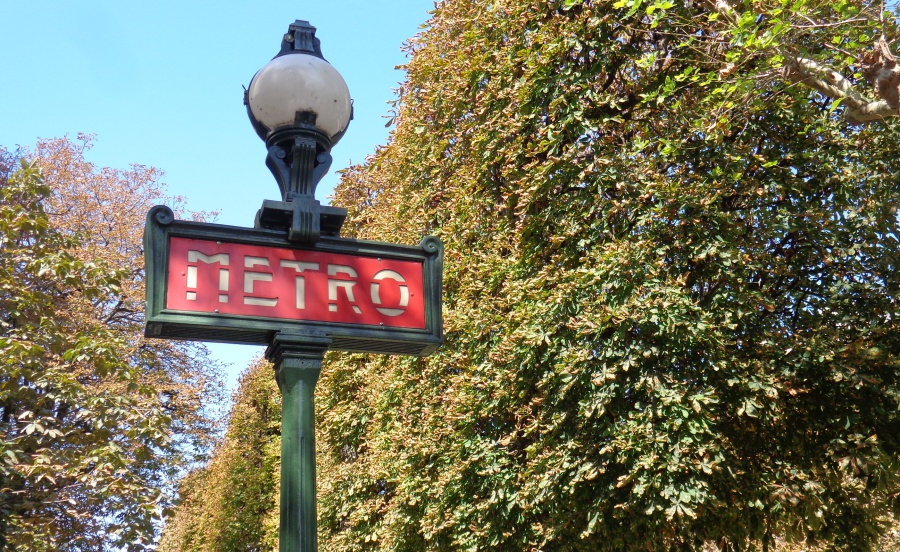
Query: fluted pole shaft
[[298, 363]]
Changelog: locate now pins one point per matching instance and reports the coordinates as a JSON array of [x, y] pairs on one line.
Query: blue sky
[[160, 83]]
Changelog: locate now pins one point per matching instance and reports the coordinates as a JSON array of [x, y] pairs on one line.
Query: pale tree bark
[[879, 67], [829, 82]]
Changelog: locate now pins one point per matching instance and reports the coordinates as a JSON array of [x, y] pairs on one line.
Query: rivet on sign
[[381, 323], [217, 310], [379, 259], [218, 243]]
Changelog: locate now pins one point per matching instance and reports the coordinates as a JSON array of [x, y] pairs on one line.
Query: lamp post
[[292, 282], [300, 106]]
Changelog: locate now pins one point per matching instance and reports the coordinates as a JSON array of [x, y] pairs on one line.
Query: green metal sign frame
[[168, 323]]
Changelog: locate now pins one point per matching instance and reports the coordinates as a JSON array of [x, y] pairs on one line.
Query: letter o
[[375, 290]]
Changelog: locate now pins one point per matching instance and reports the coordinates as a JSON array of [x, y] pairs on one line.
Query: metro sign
[[222, 283], [293, 284]]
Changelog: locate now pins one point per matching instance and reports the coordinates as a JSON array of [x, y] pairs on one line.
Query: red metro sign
[[222, 283], [293, 284]]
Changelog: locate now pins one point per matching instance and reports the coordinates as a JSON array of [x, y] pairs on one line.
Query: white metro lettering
[[197, 256], [375, 290], [236, 279], [251, 277], [300, 286], [335, 284]]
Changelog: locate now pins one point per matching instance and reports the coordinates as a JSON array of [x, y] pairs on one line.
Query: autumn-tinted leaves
[[95, 422], [670, 288]]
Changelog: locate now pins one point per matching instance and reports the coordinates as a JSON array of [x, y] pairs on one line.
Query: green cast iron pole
[[298, 361]]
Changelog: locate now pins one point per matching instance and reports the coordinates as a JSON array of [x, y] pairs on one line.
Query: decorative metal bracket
[[301, 38], [298, 158]]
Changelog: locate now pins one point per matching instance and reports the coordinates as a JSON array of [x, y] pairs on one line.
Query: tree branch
[[881, 70], [830, 83]]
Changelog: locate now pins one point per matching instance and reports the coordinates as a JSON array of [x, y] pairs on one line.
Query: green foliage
[[64, 442], [232, 502], [670, 289], [94, 420]]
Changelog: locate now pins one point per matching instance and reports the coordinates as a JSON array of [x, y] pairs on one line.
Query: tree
[[107, 208], [232, 502], [671, 291], [96, 421]]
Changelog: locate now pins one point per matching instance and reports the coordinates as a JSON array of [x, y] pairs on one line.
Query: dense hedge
[[671, 301]]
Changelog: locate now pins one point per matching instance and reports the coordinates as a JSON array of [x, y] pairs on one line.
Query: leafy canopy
[[671, 291], [231, 503], [95, 422]]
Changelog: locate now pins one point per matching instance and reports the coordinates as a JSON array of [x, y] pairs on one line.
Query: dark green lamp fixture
[[300, 106]]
